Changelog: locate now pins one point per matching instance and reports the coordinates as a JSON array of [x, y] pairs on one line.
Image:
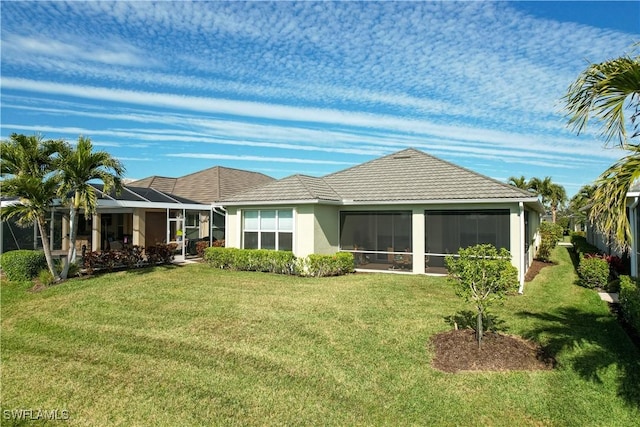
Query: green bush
[[550, 233], [593, 272], [22, 265], [281, 262], [220, 257], [326, 265], [45, 277], [630, 300], [270, 261], [581, 246]]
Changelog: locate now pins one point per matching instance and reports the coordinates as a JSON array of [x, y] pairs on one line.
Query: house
[[603, 243], [150, 211], [596, 238], [404, 212]]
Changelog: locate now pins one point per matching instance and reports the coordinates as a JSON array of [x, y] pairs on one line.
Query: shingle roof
[[291, 188], [208, 185], [408, 175]]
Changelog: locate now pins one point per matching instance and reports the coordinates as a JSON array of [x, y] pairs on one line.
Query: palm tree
[[552, 195], [606, 91], [609, 210], [583, 198], [26, 166], [520, 183], [77, 166]]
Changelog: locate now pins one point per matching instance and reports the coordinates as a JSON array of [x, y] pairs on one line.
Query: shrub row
[[595, 269], [580, 244], [630, 300], [22, 265], [593, 272], [131, 257], [281, 262]]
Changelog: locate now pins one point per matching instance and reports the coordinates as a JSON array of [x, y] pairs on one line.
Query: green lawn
[[196, 346]]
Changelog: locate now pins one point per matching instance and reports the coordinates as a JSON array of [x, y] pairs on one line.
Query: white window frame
[[261, 230]]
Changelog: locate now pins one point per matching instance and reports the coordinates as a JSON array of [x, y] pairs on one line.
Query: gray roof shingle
[[408, 175], [208, 185]]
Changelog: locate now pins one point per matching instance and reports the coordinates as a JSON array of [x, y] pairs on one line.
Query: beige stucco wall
[[139, 232], [324, 221]]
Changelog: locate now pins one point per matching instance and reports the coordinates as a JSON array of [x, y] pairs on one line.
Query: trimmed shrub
[[219, 257], [630, 301], [593, 272], [268, 261], [281, 262], [22, 265], [326, 265]]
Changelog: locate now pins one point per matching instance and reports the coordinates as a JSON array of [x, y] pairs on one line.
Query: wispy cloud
[[257, 158]]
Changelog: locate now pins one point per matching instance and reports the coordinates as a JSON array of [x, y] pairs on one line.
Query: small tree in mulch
[[482, 275]]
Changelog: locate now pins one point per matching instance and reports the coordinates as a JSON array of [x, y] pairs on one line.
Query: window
[[268, 229], [448, 231]]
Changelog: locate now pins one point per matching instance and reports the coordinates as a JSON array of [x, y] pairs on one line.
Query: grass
[[196, 346]]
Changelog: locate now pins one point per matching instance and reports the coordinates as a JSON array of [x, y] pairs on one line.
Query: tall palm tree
[[580, 201], [520, 182], [551, 194], [77, 166], [607, 91], [26, 166]]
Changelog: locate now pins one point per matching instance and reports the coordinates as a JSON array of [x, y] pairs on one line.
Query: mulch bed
[[535, 268], [457, 351]]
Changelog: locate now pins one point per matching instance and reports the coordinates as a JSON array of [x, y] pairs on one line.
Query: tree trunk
[[479, 330], [71, 254], [47, 249]]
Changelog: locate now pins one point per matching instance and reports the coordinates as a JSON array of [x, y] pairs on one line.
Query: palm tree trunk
[[73, 229], [47, 249]]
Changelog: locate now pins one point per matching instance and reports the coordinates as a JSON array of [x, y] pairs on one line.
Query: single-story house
[[150, 211], [403, 212], [596, 238]]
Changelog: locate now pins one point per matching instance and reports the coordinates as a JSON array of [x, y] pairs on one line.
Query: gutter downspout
[[634, 233], [522, 251]]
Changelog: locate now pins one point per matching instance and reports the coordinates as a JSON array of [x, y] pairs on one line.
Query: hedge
[[593, 272], [581, 246], [281, 262], [22, 265], [630, 300], [326, 265], [268, 261]]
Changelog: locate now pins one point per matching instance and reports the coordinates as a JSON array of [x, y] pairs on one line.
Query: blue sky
[[171, 88]]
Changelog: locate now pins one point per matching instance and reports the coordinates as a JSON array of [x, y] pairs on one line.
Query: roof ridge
[[373, 160], [512, 187]]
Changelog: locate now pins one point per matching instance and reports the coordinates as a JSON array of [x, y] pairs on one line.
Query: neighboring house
[[402, 212], [596, 238], [154, 210]]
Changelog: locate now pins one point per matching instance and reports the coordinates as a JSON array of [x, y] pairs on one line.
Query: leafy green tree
[[26, 165], [482, 275], [606, 91], [77, 167]]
